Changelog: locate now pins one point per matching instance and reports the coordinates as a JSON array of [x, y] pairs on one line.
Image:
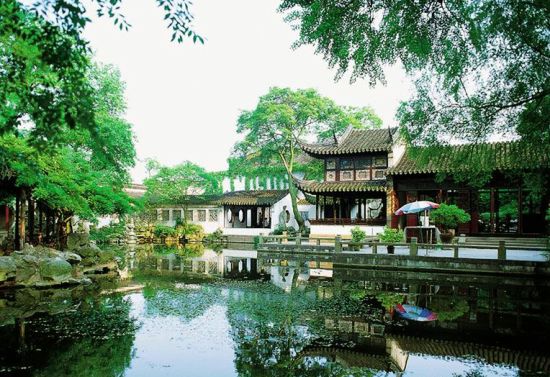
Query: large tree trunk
[[30, 212], [294, 200], [20, 232]]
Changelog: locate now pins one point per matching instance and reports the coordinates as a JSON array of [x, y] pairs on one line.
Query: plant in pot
[[391, 236], [447, 218], [357, 237]]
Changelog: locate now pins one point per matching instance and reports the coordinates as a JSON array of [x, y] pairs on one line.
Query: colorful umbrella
[[415, 313], [416, 207]]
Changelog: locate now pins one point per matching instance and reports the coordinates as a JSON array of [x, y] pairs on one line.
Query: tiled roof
[[355, 141], [251, 198], [503, 156], [314, 187]]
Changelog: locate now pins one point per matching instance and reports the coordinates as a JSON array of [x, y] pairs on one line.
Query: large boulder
[[90, 251], [28, 272], [77, 240], [72, 258], [55, 269], [7, 268]]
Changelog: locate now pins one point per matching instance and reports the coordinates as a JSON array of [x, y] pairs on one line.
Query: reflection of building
[[369, 174], [372, 349], [228, 263]]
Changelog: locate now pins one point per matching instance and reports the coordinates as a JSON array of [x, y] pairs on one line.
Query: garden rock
[[55, 269], [76, 241], [7, 268]]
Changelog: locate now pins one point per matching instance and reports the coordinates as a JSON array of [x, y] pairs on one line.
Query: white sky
[[184, 99]]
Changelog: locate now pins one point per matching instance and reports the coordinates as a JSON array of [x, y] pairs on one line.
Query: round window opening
[[241, 215], [229, 216]]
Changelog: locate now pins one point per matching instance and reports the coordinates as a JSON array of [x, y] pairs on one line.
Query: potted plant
[[357, 237], [447, 218], [391, 236]]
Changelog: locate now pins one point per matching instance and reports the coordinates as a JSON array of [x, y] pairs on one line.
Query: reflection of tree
[[96, 340], [186, 301], [89, 358], [449, 308], [270, 328]]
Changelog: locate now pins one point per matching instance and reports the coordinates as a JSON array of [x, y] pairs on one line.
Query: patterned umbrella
[[415, 313], [416, 207]]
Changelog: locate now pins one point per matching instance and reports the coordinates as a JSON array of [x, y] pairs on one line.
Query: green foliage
[[109, 232], [358, 235], [391, 235], [87, 172], [190, 231], [449, 216], [480, 67], [215, 237], [176, 185], [163, 231], [281, 119]]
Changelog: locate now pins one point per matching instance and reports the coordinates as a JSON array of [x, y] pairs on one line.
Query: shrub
[[109, 232], [214, 237], [279, 229], [163, 231], [448, 216], [192, 232], [358, 235], [391, 235]]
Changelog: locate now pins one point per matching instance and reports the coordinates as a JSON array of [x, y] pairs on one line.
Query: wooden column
[[16, 235], [317, 207], [334, 209]]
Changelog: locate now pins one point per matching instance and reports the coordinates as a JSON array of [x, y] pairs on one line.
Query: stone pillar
[[501, 250], [414, 247], [338, 244]]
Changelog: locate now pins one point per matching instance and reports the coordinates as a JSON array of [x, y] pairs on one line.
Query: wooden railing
[[338, 244], [344, 221]]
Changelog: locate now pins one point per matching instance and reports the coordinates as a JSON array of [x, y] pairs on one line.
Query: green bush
[[449, 216], [163, 231], [192, 232], [214, 237], [358, 235], [279, 229], [109, 232], [391, 235]]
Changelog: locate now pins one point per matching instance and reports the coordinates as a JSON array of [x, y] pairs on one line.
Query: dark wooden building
[[369, 174]]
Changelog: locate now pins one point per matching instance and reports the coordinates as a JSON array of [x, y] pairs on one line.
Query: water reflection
[[229, 312]]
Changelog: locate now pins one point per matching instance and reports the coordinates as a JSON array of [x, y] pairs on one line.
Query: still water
[[201, 312]]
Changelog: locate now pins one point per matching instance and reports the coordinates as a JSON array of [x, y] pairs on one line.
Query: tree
[[480, 67], [85, 175], [44, 87], [282, 117], [175, 185]]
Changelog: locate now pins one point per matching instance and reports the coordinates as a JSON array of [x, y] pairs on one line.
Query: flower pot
[[391, 249]]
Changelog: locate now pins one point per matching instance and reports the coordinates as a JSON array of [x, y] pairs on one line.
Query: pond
[[200, 312]]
